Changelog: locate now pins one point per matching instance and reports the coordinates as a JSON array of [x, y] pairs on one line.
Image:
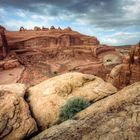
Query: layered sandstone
[[48, 38], [128, 72]]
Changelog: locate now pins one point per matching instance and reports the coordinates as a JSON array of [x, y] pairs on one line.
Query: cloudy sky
[[114, 22]]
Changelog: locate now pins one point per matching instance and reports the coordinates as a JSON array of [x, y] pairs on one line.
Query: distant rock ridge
[[48, 37], [37, 28]]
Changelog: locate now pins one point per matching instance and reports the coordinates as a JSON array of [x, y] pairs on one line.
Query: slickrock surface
[[111, 59], [116, 117], [17, 88], [46, 98], [16, 122], [11, 76]]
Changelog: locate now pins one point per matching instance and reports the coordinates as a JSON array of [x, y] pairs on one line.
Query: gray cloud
[[78, 6], [120, 18], [101, 13]]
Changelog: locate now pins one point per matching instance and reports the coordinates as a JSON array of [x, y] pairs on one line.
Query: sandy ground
[[11, 76]]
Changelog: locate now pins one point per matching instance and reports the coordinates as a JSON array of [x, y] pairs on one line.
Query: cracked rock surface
[[116, 117], [46, 98], [16, 88], [16, 122]]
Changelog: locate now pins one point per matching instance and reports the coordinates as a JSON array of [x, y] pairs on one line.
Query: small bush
[[73, 106], [55, 72]]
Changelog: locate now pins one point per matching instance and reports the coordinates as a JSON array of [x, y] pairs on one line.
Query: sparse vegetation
[[108, 60], [55, 72], [1, 92], [50, 75], [73, 106]]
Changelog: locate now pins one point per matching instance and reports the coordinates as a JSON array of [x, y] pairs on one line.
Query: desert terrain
[[45, 67], [49, 52]]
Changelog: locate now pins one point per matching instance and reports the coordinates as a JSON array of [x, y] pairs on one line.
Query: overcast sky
[[113, 22]]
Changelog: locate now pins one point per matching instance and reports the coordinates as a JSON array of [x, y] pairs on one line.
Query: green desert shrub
[[72, 106]]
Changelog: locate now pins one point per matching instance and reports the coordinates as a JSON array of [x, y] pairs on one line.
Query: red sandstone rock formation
[[5, 48], [128, 72], [90, 40], [60, 51], [21, 28], [51, 38], [98, 50], [59, 29], [37, 28], [45, 29], [68, 29], [52, 28]]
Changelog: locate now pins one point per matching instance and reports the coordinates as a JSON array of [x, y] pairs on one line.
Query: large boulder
[[46, 99], [116, 117], [119, 75], [16, 88], [16, 122]]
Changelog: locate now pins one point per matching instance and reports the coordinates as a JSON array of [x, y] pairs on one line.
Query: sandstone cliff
[[48, 38], [128, 72]]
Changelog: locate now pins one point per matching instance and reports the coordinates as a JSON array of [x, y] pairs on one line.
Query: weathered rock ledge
[[46, 98], [116, 117], [16, 122]]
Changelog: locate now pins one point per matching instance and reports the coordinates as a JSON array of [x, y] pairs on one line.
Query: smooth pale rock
[[112, 59], [16, 122], [16, 88], [116, 117], [11, 76], [46, 98]]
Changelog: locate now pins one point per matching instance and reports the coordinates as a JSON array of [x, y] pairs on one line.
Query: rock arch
[[52, 28], [21, 28]]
